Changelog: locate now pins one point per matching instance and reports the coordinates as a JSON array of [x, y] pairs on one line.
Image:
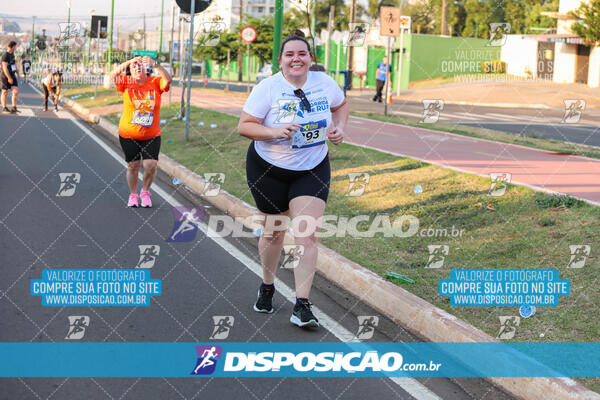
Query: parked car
[[264, 73]]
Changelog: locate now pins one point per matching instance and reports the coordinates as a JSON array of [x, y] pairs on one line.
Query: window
[[261, 10], [271, 10]]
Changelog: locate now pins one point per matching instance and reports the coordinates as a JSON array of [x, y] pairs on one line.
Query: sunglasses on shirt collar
[[303, 100]]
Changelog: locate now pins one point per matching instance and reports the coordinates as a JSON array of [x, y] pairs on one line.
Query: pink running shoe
[[133, 200], [145, 195]]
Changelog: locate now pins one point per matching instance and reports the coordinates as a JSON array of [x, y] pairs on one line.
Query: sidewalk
[[514, 94]]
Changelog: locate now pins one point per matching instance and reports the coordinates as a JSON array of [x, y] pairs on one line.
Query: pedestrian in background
[[26, 65], [381, 75], [9, 78]]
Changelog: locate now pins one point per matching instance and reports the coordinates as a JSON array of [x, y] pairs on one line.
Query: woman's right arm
[[114, 75], [252, 128]]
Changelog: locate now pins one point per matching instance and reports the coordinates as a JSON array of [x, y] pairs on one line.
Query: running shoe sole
[[309, 324], [262, 311]]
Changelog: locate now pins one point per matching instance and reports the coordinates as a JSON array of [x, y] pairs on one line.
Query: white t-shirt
[[273, 100]]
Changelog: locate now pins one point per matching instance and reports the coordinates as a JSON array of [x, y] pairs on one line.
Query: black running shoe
[[264, 303], [14, 110], [303, 316], [5, 110]]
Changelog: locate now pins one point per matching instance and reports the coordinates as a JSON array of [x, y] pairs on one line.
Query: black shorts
[[273, 188], [136, 149], [4, 82]]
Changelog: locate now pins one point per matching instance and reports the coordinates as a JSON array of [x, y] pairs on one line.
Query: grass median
[[520, 229]]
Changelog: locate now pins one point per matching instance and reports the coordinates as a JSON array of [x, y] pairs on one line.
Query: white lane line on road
[[63, 115], [409, 385]]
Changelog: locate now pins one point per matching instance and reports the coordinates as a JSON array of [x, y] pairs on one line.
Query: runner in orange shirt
[[139, 127]]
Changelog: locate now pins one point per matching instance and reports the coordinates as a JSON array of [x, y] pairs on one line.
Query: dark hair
[[295, 37], [297, 32], [12, 43]]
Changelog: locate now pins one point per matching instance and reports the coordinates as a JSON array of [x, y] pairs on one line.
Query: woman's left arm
[[163, 72], [339, 116]]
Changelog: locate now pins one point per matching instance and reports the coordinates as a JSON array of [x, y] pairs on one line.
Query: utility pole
[[110, 34], [172, 71], [240, 56], [277, 32], [444, 17], [68, 30], [144, 31], [189, 70], [32, 46], [182, 75], [349, 56], [329, 29], [162, 7], [313, 28]]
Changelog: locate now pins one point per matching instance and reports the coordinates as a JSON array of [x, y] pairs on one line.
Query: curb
[[418, 316], [81, 111]]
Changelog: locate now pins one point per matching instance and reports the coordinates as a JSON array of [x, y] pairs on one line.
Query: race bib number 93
[[313, 134]]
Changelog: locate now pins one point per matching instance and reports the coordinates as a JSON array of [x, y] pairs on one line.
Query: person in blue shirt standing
[[382, 72]]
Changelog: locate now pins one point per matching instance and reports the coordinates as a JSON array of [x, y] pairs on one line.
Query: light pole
[[277, 32], [110, 43], [162, 7], [68, 29], [90, 39], [32, 46]]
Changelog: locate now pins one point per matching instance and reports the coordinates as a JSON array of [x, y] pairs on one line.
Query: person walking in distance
[[9, 78], [26, 66], [289, 117], [381, 75], [139, 126]]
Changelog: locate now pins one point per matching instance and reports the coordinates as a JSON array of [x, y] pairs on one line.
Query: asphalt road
[[203, 278], [531, 122]]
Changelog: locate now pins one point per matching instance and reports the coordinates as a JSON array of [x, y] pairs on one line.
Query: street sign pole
[[248, 66], [390, 26], [248, 35], [189, 82], [388, 76], [401, 55]]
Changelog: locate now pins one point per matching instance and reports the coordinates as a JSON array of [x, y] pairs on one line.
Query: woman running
[[139, 127], [289, 116], [51, 85]]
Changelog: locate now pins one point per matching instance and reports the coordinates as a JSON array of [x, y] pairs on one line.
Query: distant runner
[[51, 86], [26, 66], [139, 127], [9, 78]]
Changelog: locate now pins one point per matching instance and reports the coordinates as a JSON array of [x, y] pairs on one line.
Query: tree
[[588, 26], [262, 47]]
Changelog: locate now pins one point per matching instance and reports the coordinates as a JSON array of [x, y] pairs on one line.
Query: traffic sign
[[248, 34], [405, 22], [199, 5], [390, 21], [145, 53]]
